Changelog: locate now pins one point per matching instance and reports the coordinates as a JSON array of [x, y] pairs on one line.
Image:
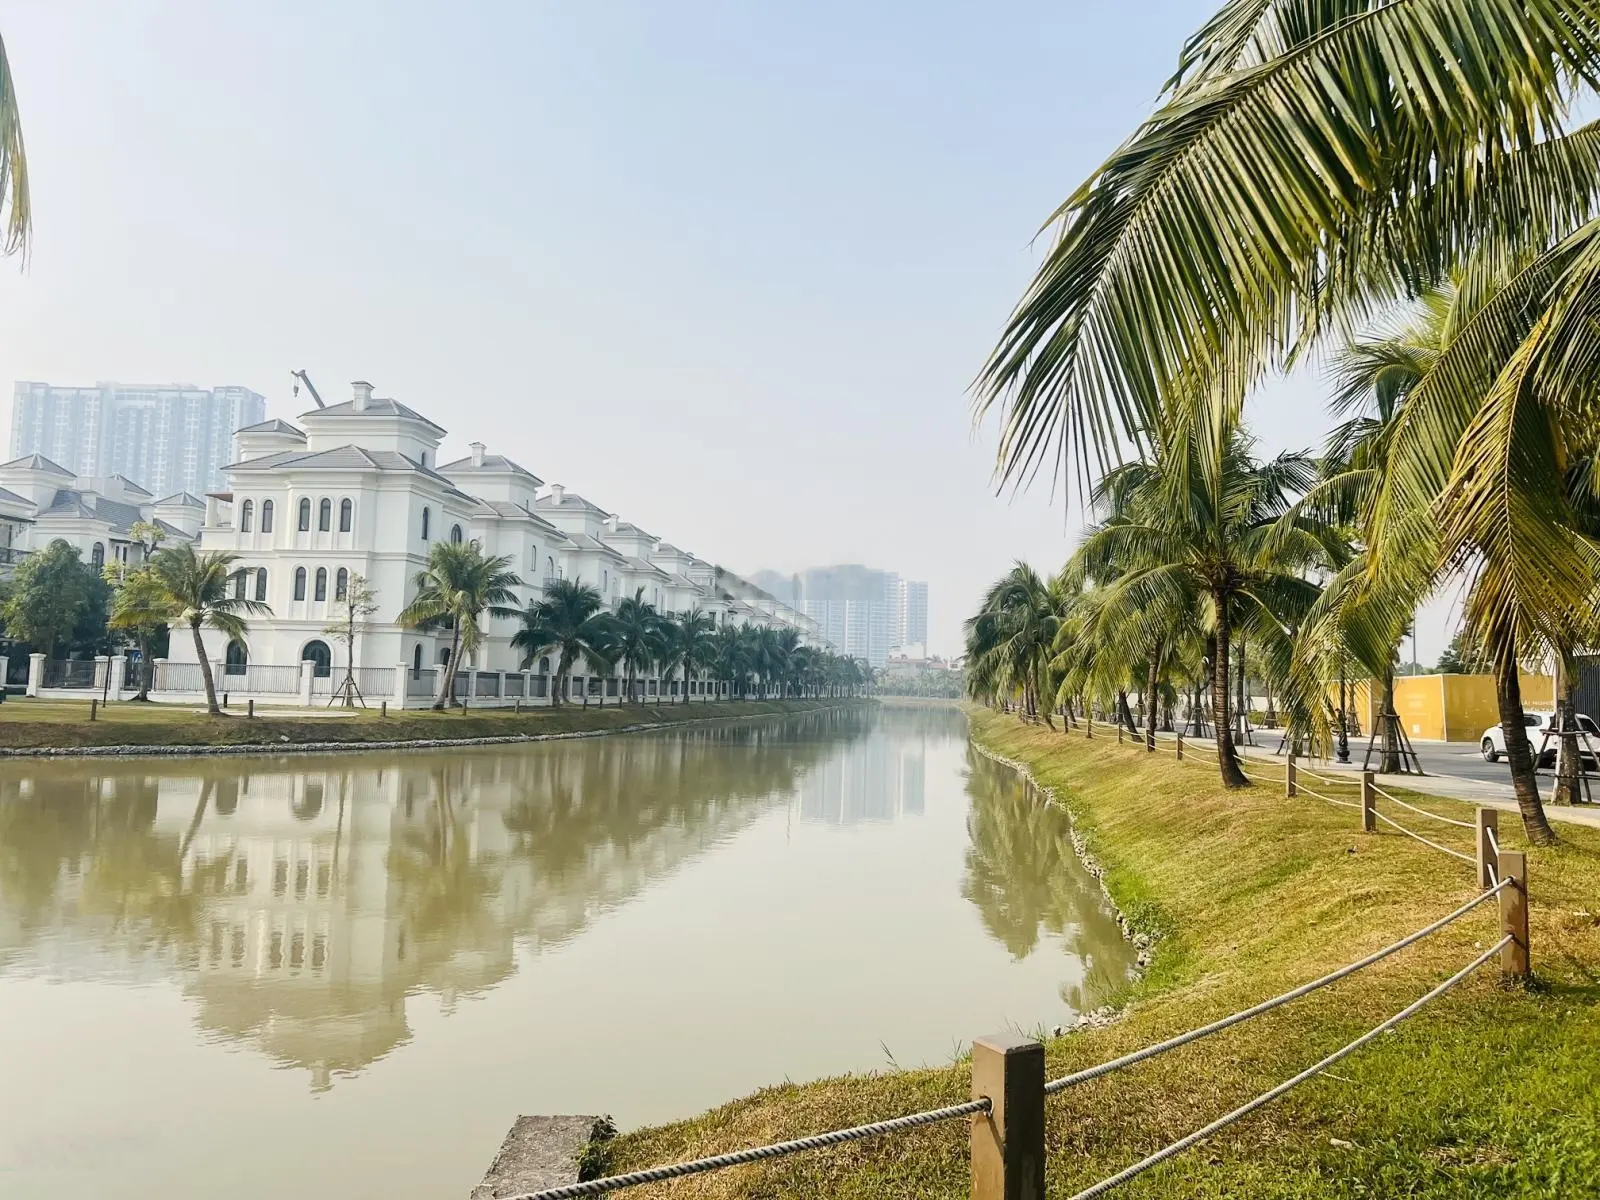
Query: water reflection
[[302, 900], [300, 903], [1026, 881]]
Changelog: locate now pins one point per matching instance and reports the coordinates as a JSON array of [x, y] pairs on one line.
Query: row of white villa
[[357, 489]]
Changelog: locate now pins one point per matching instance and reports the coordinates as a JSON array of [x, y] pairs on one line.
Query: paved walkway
[[1455, 770]]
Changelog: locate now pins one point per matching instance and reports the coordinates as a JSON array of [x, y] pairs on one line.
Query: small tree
[[140, 607], [49, 595], [358, 603]]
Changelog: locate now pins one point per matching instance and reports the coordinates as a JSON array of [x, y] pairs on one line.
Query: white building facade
[[357, 489]]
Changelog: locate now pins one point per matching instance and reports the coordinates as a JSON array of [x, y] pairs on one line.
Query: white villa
[[357, 488]]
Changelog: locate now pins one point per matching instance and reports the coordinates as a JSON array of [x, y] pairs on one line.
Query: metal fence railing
[[421, 683], [514, 687], [488, 684], [268, 680], [376, 683], [72, 673], [178, 677]]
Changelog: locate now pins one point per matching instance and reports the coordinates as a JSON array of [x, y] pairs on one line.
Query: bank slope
[[1492, 1091]]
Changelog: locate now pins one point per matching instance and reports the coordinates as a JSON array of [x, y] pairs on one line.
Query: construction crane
[[302, 377]]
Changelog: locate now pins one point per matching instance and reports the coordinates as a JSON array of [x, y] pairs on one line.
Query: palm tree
[[13, 166], [636, 637], [456, 588], [196, 590], [733, 658], [141, 607], [1009, 641], [690, 646], [570, 620], [1203, 521], [1397, 142]]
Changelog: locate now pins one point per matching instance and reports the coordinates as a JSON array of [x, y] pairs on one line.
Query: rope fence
[[1008, 1149], [1421, 811], [1266, 1097], [1388, 820]]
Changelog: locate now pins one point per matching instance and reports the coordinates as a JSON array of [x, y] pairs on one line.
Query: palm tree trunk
[[1227, 755], [1508, 694], [205, 669], [1124, 713], [1389, 763], [1568, 752], [1152, 696], [147, 670], [447, 692]]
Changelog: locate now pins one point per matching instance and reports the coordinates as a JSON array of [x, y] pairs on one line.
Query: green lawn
[[1492, 1091], [65, 724]]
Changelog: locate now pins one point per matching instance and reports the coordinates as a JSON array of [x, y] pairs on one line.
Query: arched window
[[341, 584], [325, 515], [266, 516], [416, 661], [346, 511], [455, 534], [97, 556], [247, 516], [322, 584], [238, 658], [550, 566], [239, 585], [321, 658], [305, 513], [544, 665], [261, 584], [299, 583], [444, 656], [605, 578], [426, 514]]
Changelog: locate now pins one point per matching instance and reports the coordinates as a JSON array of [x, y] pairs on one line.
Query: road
[[1454, 769]]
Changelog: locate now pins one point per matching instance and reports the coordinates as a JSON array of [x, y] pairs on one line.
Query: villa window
[[341, 584], [239, 585], [247, 516], [266, 516], [455, 534], [416, 661], [299, 583], [97, 556], [305, 514], [325, 515], [322, 584], [346, 511], [236, 662], [261, 582], [426, 514]]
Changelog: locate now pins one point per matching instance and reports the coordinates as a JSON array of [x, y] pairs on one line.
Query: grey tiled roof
[[628, 529], [92, 506], [186, 499], [584, 542], [131, 485], [497, 463], [504, 508], [36, 462], [570, 500], [273, 426], [9, 497], [343, 458], [649, 568], [378, 406]]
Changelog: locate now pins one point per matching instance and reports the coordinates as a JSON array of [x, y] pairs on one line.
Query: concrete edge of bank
[[198, 750]]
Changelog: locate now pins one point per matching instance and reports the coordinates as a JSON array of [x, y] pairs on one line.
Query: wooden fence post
[[1514, 914], [1488, 838], [1008, 1140], [1369, 819], [1291, 776], [250, 707], [93, 705], [1180, 747]]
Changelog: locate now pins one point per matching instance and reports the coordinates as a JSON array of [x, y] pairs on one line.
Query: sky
[[727, 269]]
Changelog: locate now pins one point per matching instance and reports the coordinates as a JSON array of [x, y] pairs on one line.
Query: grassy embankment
[[1494, 1090], [66, 724]]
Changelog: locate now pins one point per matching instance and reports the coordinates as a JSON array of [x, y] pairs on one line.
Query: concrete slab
[[538, 1153]]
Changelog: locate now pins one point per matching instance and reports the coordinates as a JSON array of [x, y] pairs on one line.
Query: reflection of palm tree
[[444, 887], [1025, 879]]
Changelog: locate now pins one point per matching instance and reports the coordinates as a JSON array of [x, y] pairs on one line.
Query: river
[[317, 976]]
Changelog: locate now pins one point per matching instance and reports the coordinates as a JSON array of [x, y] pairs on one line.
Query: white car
[[1493, 742]]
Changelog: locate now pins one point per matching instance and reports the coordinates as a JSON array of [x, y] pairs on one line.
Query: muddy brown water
[[306, 977]]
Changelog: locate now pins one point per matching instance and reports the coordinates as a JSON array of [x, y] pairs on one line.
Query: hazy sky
[[727, 269]]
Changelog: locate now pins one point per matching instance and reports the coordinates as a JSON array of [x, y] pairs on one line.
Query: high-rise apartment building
[[915, 621], [167, 438]]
